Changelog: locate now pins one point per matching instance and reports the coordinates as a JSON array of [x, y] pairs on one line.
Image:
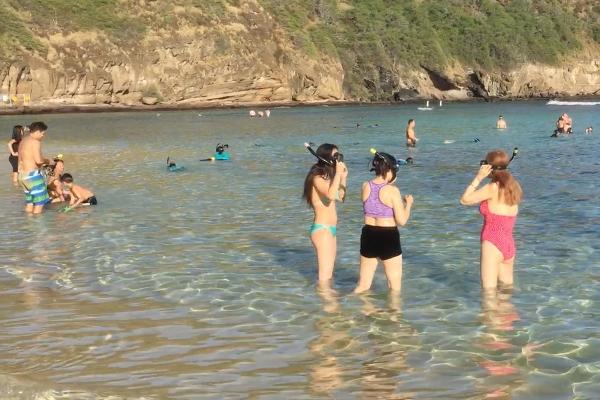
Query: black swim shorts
[[381, 242]]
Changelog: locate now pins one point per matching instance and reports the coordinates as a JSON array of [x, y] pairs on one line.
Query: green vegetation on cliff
[[483, 34]]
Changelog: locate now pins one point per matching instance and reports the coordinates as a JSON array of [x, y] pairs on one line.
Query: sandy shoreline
[[100, 108]]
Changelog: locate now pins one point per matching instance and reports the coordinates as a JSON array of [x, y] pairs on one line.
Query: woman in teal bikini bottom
[[324, 184], [331, 228]]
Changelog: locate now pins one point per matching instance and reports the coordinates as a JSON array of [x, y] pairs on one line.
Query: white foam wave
[[572, 103]]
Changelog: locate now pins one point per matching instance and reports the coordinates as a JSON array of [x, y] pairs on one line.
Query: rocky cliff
[[242, 53]]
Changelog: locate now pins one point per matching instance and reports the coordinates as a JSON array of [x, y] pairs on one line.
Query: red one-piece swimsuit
[[498, 230]]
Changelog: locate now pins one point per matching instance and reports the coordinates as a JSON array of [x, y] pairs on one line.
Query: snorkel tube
[[498, 167], [314, 153], [386, 159]]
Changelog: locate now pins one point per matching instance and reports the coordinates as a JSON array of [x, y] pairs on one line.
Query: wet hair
[[500, 116], [17, 133], [384, 162], [38, 127], [66, 178], [510, 190], [321, 168], [410, 121]]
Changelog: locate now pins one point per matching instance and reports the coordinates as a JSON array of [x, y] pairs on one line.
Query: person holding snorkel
[[499, 205], [384, 209], [325, 184]]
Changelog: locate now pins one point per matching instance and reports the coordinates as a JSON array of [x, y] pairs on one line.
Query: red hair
[[510, 190]]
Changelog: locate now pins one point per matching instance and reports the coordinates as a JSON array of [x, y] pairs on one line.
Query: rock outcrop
[[245, 59]]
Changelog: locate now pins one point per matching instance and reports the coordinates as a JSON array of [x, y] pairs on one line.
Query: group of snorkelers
[[384, 209], [43, 181]]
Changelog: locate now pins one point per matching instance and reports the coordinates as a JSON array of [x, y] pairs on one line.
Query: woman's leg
[[15, 177], [393, 272], [491, 258], [325, 246], [367, 272], [505, 273]]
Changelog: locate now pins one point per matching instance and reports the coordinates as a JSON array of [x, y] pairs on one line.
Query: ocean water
[[200, 284]]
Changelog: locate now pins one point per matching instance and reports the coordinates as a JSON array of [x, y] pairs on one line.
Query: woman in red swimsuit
[[499, 205]]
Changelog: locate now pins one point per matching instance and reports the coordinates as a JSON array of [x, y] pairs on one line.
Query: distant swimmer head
[[383, 163], [409, 160], [221, 148], [327, 153], [498, 159]]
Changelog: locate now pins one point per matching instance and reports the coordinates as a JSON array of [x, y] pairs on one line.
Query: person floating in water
[[325, 184], [221, 152], [499, 205], [13, 150], [384, 209], [411, 138], [30, 176], [80, 196], [172, 166], [501, 123], [589, 130]]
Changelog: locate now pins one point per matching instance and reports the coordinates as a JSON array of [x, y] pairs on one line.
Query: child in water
[[80, 196]]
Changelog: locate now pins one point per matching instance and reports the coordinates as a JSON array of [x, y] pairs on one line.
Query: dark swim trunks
[[381, 242]]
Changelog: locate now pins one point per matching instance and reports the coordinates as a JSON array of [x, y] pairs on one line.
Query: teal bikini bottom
[[316, 227]]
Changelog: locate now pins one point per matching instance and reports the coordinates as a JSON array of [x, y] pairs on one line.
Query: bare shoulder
[[392, 189]]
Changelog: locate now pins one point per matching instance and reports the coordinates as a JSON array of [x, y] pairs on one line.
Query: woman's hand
[[340, 168], [409, 200], [484, 172]]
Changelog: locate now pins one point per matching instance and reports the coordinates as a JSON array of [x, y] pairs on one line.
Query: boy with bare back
[[30, 177]]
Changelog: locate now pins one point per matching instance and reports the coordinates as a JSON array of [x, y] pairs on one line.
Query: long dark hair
[[17, 133], [510, 190], [321, 168]]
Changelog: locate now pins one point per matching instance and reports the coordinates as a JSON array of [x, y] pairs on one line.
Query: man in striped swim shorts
[[30, 161]]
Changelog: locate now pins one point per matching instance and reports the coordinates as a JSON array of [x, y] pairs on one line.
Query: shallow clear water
[[200, 284]]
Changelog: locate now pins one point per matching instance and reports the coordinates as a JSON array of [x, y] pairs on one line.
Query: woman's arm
[[343, 182], [10, 150], [329, 188], [401, 212], [471, 194]]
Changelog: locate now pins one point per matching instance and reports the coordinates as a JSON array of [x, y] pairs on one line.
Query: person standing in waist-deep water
[[30, 161], [325, 184], [499, 205], [501, 123], [411, 138], [13, 150], [384, 210]]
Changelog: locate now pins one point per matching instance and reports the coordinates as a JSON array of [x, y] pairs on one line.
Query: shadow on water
[[301, 259]]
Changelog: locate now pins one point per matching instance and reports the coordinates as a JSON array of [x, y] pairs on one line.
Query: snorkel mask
[[335, 158], [387, 159], [498, 167], [221, 148]]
